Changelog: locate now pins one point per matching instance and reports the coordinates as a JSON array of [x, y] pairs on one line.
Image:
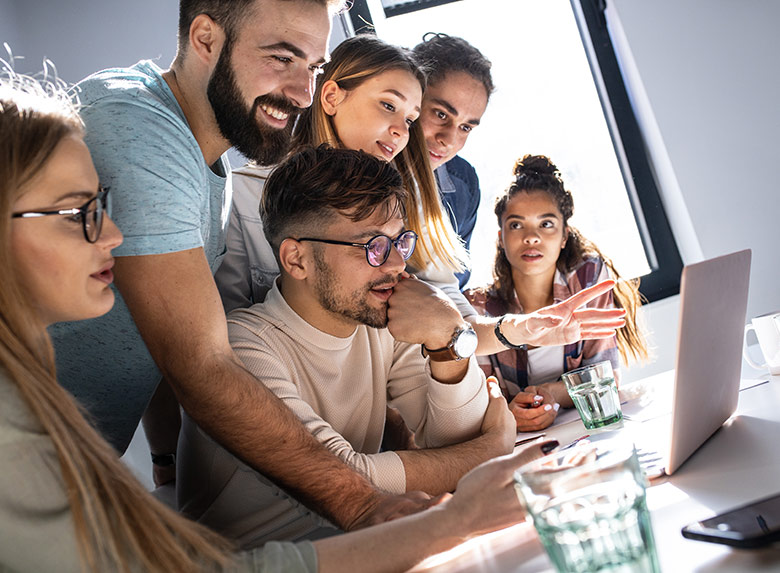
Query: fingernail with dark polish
[[550, 446]]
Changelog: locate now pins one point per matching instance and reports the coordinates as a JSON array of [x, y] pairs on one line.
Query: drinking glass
[[589, 509], [594, 392]]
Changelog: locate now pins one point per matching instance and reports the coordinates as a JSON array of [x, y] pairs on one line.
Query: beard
[[354, 305], [239, 124]]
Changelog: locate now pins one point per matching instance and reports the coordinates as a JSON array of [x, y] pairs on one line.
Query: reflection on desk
[[739, 464]]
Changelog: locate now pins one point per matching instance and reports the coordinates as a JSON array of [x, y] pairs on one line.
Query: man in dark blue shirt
[[458, 89]]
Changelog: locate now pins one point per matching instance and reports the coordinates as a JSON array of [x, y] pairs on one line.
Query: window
[[559, 93]]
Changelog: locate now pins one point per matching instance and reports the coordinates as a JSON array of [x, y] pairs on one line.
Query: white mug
[[767, 329]]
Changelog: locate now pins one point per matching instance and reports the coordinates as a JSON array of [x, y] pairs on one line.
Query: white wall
[[710, 73], [8, 26]]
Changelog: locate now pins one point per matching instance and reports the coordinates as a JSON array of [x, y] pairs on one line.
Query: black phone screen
[[750, 525]]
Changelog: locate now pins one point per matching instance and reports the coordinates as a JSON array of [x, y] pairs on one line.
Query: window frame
[[658, 239]]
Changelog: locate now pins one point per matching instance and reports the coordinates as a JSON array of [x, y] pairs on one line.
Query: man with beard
[[328, 341], [157, 138]]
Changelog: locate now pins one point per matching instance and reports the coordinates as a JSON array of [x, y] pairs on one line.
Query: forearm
[[247, 419], [437, 470], [393, 546], [488, 344]]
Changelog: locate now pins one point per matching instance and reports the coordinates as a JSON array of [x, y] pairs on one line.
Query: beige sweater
[[339, 388]]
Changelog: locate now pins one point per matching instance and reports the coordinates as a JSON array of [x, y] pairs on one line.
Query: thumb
[[508, 464]]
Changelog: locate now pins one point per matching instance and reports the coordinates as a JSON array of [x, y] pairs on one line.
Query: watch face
[[465, 343]]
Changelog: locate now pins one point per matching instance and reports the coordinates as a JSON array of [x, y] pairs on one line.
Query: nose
[[400, 129], [395, 262], [110, 235], [300, 88], [446, 135], [531, 237]]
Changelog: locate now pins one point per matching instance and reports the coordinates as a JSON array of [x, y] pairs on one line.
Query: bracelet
[[164, 460], [502, 339]]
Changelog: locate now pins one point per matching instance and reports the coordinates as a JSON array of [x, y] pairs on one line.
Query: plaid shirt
[[511, 366]]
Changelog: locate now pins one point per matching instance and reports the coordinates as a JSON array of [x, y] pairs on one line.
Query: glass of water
[[594, 392], [589, 509]]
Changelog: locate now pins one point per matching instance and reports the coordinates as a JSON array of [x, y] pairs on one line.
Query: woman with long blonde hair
[[67, 503]]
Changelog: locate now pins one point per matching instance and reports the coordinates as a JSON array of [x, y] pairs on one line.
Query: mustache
[[278, 102], [385, 281]]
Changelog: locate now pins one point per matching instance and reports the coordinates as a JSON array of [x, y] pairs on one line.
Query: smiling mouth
[[274, 113], [388, 151]]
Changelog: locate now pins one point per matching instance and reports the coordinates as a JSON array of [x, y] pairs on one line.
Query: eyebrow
[[400, 96], [543, 216], [75, 195], [292, 48], [451, 109]]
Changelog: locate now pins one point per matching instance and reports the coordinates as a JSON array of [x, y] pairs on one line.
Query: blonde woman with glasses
[[67, 503]]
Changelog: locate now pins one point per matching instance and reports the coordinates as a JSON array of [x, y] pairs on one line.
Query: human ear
[[500, 240], [206, 39], [292, 259], [565, 237], [331, 97]]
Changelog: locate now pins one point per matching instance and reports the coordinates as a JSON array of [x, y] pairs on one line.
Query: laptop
[[713, 305]]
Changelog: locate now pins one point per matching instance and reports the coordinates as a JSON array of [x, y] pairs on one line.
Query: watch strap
[[502, 339]]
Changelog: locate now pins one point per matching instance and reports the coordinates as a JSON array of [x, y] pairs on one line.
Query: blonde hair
[[353, 62], [118, 525]]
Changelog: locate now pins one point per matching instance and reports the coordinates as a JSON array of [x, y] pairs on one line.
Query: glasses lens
[[93, 218], [378, 250], [405, 244]]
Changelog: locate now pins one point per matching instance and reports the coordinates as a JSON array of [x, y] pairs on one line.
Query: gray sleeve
[[36, 524], [278, 557]]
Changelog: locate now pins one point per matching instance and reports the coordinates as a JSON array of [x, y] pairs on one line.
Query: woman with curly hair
[[542, 260]]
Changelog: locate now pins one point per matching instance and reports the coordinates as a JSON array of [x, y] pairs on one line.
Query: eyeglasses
[[378, 248], [91, 214]]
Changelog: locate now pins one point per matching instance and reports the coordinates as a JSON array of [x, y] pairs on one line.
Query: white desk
[[739, 464]]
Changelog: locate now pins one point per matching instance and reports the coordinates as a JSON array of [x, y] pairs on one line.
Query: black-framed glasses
[[91, 214], [378, 248]]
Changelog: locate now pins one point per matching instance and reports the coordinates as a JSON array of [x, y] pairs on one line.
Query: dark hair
[[353, 62], [226, 13], [537, 173], [442, 54], [308, 187]]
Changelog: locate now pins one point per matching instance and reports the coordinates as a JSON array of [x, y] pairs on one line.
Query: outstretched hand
[[566, 322]]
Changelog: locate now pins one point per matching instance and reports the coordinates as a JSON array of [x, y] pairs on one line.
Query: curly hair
[[537, 173]]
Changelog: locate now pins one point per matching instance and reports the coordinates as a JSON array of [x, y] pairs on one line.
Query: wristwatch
[[461, 347], [502, 339]]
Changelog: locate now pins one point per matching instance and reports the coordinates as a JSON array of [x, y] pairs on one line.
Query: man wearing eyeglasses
[[243, 69], [327, 342]]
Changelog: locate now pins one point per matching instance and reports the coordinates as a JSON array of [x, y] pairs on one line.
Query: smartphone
[[752, 525]]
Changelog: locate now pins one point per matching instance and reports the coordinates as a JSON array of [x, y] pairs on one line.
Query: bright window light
[[545, 103]]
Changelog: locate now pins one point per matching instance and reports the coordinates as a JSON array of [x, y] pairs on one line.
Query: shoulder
[[588, 272], [461, 169], [136, 99], [255, 323]]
